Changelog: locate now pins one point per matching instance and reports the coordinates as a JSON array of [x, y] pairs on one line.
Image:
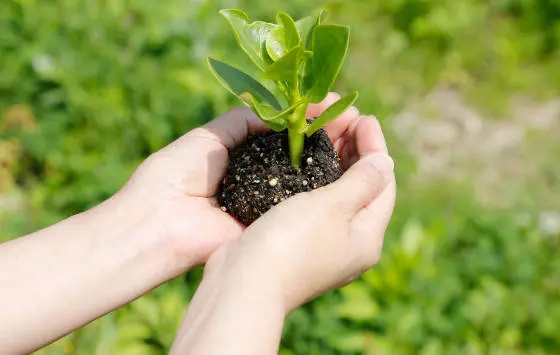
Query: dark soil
[[260, 175]]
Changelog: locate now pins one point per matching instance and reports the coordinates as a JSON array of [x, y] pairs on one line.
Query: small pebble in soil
[[310, 160], [304, 182], [273, 182], [223, 208]]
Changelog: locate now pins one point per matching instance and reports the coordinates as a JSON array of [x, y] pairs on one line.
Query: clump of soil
[[260, 176]]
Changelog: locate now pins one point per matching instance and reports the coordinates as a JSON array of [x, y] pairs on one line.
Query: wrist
[[233, 272], [234, 305], [131, 236]]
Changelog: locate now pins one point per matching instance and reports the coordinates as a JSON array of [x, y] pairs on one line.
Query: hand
[[176, 189], [323, 239], [301, 248]]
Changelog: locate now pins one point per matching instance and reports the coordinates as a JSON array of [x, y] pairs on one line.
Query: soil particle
[[260, 175]]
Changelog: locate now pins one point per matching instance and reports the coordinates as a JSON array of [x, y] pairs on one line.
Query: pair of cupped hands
[[165, 220], [305, 246]]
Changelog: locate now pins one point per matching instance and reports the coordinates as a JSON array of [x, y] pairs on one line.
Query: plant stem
[[296, 137]]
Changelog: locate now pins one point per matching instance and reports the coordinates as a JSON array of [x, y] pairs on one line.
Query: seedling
[[302, 58]]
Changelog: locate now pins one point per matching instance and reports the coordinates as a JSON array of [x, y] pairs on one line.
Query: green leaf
[[276, 120], [291, 34], [332, 113], [269, 116], [283, 38], [241, 84], [306, 25], [251, 37], [287, 67], [265, 57], [329, 44]]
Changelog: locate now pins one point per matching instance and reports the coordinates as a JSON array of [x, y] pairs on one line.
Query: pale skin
[[165, 221], [299, 250]]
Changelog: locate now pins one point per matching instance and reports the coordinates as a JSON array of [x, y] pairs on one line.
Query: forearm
[[233, 312], [56, 280]]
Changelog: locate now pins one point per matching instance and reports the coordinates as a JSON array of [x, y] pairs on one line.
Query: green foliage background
[[88, 88]]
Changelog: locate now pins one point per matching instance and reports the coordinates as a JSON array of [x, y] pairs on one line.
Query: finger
[[315, 110], [363, 137], [338, 127], [361, 183], [231, 128], [369, 137], [370, 223]]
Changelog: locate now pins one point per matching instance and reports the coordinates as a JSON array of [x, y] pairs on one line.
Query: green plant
[[302, 58]]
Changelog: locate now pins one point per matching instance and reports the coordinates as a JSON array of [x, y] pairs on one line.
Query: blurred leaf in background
[[88, 89]]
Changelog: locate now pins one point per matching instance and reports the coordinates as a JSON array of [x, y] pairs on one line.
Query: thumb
[[365, 180]]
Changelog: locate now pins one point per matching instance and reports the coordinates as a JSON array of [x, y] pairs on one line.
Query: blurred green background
[[468, 93]]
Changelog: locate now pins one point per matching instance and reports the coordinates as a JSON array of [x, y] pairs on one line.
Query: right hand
[[323, 239]]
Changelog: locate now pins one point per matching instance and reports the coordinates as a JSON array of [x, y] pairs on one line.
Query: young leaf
[[251, 37], [265, 57], [276, 120], [329, 44], [283, 38], [286, 68], [291, 34], [331, 113], [306, 25], [241, 84], [269, 116]]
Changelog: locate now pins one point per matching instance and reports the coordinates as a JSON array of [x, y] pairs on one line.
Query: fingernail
[[335, 95], [382, 162]]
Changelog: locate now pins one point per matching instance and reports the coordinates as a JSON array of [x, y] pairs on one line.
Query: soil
[[260, 176]]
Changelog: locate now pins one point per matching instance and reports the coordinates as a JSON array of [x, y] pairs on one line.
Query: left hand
[[175, 188]]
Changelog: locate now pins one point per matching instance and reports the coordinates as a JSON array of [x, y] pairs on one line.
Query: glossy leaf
[[240, 84], [251, 37], [333, 112], [265, 57], [276, 120], [302, 58], [283, 38], [291, 34], [306, 25], [269, 116], [287, 67], [329, 44]]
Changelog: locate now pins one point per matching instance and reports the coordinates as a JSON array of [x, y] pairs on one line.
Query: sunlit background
[[468, 93]]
